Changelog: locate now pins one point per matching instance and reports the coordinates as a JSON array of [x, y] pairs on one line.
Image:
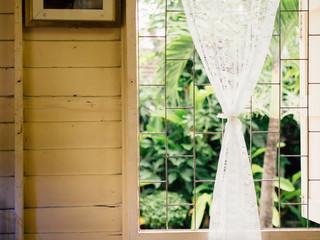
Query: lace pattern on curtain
[[232, 38]]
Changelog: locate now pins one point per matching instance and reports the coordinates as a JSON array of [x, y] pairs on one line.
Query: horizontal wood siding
[[72, 162], [7, 192], [7, 6], [6, 109], [48, 109], [48, 191], [72, 82], [7, 180], [75, 236], [7, 54], [6, 29], [72, 34], [7, 221], [6, 163], [72, 133], [6, 81], [73, 220], [6, 136], [7, 236], [71, 54]]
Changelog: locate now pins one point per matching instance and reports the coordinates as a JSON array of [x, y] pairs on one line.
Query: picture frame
[[72, 13]]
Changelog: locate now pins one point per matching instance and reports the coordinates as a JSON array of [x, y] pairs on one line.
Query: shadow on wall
[[7, 213], [7, 224]]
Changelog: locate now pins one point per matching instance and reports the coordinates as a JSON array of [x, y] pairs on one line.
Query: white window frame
[[130, 223], [311, 209]]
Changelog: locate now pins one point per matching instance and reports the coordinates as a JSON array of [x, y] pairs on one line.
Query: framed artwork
[[73, 13]]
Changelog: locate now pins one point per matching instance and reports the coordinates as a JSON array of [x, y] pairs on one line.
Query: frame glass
[[73, 13]]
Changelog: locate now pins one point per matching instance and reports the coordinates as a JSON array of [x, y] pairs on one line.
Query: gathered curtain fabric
[[232, 39]]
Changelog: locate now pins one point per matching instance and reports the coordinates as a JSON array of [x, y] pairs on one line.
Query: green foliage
[[289, 193], [153, 210], [179, 142], [203, 203]]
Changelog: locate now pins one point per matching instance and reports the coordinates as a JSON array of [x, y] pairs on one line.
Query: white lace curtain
[[232, 38]]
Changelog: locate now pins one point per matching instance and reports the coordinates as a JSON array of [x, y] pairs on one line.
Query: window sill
[[272, 234]]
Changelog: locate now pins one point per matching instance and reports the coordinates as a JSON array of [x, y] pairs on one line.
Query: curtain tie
[[230, 118]]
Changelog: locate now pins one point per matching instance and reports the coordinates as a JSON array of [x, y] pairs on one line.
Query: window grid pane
[[189, 112]]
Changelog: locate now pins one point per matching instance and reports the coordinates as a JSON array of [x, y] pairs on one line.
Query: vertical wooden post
[[18, 94], [130, 123]]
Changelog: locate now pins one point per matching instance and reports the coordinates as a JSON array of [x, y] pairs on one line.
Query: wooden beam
[[130, 124], [18, 93]]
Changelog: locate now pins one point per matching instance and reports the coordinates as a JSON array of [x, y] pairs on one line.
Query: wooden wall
[[72, 134], [7, 222]]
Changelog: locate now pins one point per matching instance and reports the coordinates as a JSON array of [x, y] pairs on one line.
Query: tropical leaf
[[202, 202], [285, 185], [296, 177], [275, 217], [258, 152], [256, 169]]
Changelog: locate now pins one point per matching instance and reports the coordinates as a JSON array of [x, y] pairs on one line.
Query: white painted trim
[[311, 209], [303, 102], [314, 213]]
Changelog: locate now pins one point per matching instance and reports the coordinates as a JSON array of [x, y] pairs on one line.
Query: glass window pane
[[73, 4]]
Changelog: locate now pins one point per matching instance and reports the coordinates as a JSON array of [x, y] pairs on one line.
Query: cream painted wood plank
[[6, 6], [7, 221], [6, 136], [75, 34], [7, 54], [130, 124], [77, 219], [6, 163], [72, 135], [6, 29], [74, 236], [18, 126], [6, 192], [73, 162], [7, 236], [72, 54], [72, 81], [72, 191], [6, 81], [6, 109], [52, 109]]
